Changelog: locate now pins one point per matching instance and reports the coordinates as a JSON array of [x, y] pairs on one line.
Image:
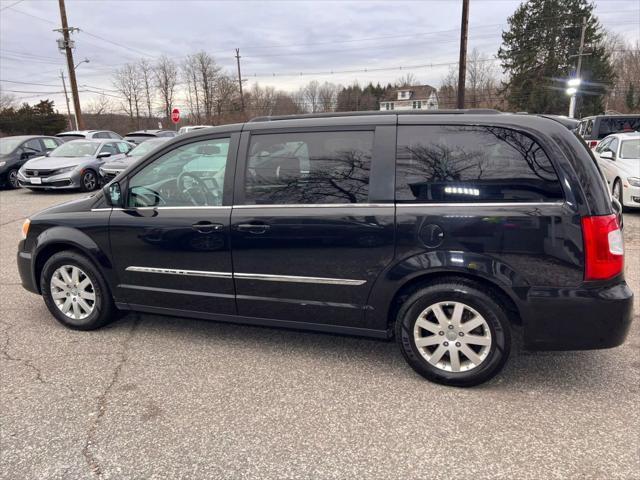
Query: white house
[[419, 97]]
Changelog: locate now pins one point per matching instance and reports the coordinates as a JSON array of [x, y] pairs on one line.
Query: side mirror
[[113, 195], [104, 154], [608, 155]]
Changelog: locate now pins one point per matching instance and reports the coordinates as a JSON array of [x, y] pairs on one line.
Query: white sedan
[[619, 159]]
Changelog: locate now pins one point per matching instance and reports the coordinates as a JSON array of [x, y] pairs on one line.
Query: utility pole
[[240, 78], [66, 96], [462, 66], [67, 44], [572, 101]]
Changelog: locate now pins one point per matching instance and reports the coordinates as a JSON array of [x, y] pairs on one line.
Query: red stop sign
[[175, 115]]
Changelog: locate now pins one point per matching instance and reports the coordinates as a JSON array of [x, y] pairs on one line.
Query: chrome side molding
[[175, 271], [248, 276]]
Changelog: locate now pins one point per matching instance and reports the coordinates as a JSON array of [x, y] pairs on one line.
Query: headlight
[[2, 164], [25, 228], [64, 170], [634, 181]]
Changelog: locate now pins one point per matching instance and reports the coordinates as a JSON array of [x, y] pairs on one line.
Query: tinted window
[[114, 135], [101, 135], [309, 168], [609, 125], [446, 164], [189, 175], [33, 145]]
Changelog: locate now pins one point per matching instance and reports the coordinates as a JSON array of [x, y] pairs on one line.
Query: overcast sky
[[277, 40]]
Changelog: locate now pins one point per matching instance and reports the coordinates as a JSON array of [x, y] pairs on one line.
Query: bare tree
[[7, 101], [310, 95], [127, 82], [146, 75], [166, 75], [100, 105], [624, 95], [481, 80], [407, 80], [327, 97]]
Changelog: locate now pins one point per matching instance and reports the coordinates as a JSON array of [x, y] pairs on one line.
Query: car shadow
[[579, 371]]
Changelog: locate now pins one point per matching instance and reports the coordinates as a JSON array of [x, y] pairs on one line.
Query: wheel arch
[[424, 279], [58, 239]]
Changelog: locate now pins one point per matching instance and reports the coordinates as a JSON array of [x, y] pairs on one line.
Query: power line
[[28, 83], [12, 5]]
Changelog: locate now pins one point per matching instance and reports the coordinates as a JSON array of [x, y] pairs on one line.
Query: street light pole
[[66, 97], [575, 82]]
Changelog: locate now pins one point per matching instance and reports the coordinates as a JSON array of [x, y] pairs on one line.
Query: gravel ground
[[156, 397]]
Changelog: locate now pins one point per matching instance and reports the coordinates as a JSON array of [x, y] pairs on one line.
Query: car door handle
[[207, 227], [255, 228]]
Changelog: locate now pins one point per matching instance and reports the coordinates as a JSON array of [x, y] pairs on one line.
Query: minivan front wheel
[[75, 292], [454, 333]]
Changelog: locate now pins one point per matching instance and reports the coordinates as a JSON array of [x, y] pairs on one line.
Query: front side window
[[109, 148], [188, 175], [33, 145], [613, 146], [309, 168], [454, 164], [630, 149], [49, 143]]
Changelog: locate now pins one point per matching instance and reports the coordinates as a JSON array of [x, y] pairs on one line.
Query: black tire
[[89, 181], [103, 308], [480, 299], [12, 178], [616, 191]]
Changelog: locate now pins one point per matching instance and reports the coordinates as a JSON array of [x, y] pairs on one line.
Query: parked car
[[593, 129], [191, 128], [113, 168], [445, 230], [72, 165], [15, 151], [88, 134], [143, 135], [619, 159]]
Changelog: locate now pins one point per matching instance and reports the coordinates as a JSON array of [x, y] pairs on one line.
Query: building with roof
[[419, 97]]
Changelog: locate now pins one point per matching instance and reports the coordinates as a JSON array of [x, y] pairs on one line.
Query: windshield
[[144, 148], [630, 149], [8, 145], [76, 148]]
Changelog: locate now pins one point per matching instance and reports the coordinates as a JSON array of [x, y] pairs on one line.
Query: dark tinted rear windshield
[[609, 125], [71, 136]]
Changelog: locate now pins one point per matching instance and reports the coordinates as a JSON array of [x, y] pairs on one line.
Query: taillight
[[603, 247], [593, 143]]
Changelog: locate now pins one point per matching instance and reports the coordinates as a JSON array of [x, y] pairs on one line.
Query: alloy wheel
[[13, 178], [452, 336], [617, 191], [73, 292], [89, 181]]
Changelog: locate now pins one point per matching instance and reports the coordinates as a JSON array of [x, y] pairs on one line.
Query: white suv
[[619, 159]]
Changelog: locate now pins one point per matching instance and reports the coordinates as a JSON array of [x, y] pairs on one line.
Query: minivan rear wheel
[[75, 292], [454, 333]]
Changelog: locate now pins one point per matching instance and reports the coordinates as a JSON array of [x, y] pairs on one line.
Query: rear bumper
[[582, 318]]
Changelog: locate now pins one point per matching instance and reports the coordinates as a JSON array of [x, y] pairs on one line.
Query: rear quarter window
[[458, 164]]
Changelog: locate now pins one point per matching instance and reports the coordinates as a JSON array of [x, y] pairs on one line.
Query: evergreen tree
[[630, 98], [539, 53], [40, 119]]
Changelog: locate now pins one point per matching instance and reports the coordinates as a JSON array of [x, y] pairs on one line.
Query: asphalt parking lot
[[159, 397]]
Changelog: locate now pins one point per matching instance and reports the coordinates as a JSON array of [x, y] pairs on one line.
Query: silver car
[[73, 165]]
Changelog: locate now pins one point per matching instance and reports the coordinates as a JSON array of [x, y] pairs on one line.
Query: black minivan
[[445, 229]]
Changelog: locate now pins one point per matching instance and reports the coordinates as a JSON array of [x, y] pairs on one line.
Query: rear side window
[[309, 168], [609, 125], [458, 164]]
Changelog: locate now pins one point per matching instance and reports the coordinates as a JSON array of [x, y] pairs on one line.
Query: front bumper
[[630, 196], [67, 180], [25, 269], [583, 318]]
